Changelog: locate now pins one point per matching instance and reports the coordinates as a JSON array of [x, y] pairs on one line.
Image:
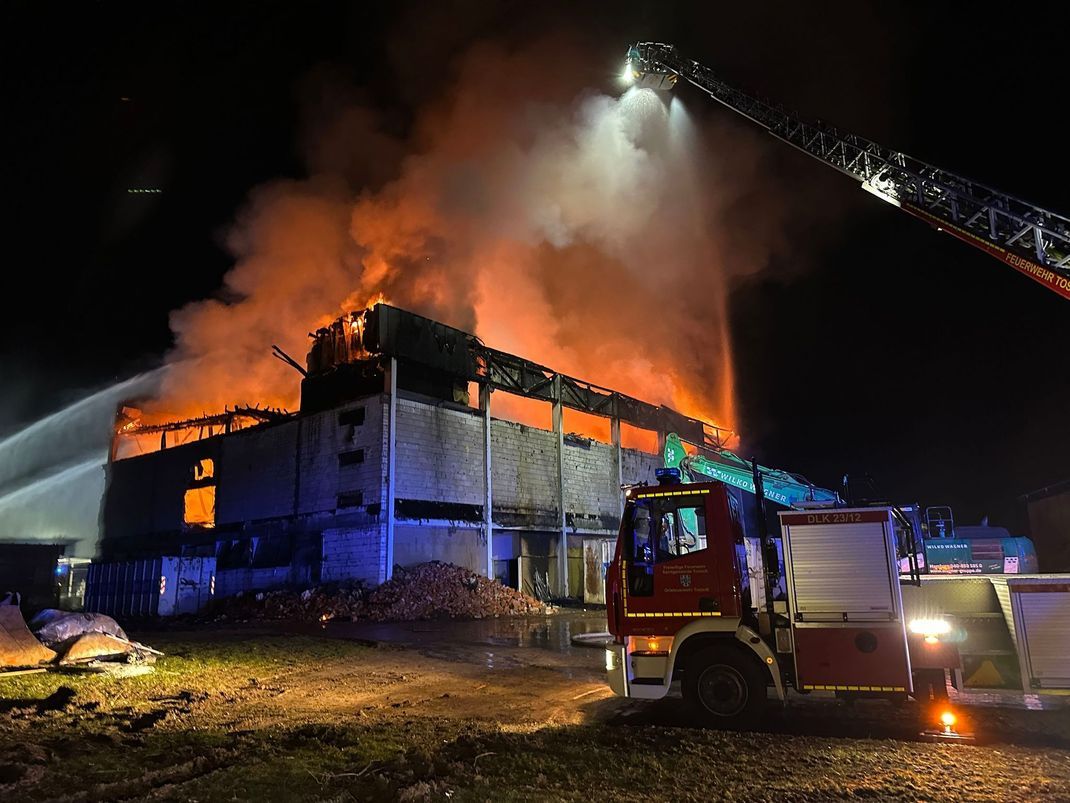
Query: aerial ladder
[[1032, 240], [693, 596]]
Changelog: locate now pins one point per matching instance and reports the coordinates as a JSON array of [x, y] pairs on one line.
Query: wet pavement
[[497, 642], [516, 644]]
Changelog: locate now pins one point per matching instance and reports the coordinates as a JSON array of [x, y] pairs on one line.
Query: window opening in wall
[[350, 499], [351, 458], [198, 504], [351, 418], [199, 507]]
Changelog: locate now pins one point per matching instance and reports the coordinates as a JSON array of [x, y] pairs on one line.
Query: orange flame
[[588, 233]]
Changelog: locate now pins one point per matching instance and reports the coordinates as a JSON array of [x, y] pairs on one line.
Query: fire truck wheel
[[725, 687]]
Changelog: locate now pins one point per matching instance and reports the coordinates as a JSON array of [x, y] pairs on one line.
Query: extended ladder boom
[[1031, 240]]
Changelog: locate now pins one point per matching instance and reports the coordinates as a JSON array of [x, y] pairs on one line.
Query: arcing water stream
[[51, 472]]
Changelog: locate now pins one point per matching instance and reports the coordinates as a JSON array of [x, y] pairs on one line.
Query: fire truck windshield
[[680, 528], [662, 530]]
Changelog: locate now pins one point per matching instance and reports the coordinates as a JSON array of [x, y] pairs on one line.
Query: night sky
[[880, 346]]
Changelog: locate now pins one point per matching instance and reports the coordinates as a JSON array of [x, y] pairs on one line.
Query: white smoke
[[595, 234]]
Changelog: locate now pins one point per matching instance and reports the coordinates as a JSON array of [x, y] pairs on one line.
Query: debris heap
[[442, 590], [428, 591]]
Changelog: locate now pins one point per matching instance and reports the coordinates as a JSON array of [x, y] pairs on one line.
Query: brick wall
[[354, 554], [523, 467], [256, 474], [321, 479], [439, 454]]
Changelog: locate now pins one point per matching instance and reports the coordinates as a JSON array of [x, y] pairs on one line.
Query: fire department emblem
[[685, 580]]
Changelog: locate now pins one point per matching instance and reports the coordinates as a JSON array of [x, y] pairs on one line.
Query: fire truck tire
[[724, 687]]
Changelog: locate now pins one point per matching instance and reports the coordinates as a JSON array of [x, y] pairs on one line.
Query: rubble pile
[[442, 590], [428, 591], [319, 604]]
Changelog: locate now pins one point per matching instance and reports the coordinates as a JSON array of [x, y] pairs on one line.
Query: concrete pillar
[[562, 548], [488, 496], [618, 457], [661, 445], [391, 450]]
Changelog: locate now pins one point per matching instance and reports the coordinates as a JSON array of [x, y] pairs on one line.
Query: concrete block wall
[[291, 473], [523, 467], [439, 453], [354, 554], [145, 494], [639, 466], [257, 474], [323, 438], [592, 493], [463, 546]]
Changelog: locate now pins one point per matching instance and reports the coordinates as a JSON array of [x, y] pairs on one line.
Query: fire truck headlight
[[650, 645], [611, 662], [931, 629]]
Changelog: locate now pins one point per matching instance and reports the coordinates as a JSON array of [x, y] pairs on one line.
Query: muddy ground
[[493, 710]]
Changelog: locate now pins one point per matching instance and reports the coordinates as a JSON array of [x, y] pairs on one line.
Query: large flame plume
[[596, 234]]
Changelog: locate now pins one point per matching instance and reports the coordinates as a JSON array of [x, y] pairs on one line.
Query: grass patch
[[266, 717], [195, 664]]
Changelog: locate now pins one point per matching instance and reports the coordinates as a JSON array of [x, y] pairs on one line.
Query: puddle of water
[[551, 633]]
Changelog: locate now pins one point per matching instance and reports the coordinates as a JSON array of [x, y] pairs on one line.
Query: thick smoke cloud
[[597, 234], [295, 262]]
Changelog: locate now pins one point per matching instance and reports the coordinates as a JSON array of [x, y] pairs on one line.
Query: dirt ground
[[491, 710]]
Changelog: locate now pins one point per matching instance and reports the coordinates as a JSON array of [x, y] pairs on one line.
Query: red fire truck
[[689, 599]]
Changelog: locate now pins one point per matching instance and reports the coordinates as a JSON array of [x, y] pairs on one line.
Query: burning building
[[394, 458]]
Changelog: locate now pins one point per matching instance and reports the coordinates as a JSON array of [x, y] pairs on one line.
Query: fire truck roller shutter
[[845, 602]]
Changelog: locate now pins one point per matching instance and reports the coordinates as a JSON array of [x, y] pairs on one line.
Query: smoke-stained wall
[[257, 474], [341, 456], [301, 500], [145, 494], [439, 454], [524, 476]]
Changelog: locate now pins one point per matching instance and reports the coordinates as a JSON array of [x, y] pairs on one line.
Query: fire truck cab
[[688, 599]]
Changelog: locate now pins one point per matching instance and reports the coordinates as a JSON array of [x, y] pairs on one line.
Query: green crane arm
[[780, 486]]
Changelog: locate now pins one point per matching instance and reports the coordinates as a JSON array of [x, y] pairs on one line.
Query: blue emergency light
[[667, 476]]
